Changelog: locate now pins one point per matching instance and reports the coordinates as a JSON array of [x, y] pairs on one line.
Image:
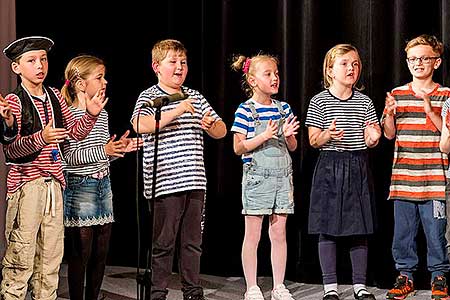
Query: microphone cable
[[140, 279], [138, 223]]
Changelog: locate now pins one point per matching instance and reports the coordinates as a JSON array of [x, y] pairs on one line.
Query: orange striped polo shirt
[[419, 167]]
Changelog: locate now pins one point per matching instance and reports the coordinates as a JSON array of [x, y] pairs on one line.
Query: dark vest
[[31, 122]]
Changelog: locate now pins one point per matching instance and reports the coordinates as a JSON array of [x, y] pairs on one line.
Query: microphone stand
[[144, 280]]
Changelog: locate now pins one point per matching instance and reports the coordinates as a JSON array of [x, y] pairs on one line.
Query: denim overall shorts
[[267, 186]]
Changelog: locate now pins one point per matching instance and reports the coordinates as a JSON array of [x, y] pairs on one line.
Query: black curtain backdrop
[[299, 32]]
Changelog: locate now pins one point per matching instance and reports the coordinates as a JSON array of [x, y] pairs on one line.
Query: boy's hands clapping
[[207, 121], [426, 101], [390, 104], [447, 119], [186, 106], [53, 135], [5, 112]]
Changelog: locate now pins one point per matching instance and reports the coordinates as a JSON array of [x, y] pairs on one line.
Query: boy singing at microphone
[[181, 181]]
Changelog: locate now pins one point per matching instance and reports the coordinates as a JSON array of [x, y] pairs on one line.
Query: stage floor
[[120, 284]]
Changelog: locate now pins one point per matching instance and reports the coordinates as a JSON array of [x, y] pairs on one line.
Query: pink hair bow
[[246, 65]]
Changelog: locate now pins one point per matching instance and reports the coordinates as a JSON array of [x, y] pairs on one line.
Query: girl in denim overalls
[[264, 133]]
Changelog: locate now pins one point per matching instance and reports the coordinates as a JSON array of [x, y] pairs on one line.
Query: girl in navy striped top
[[342, 124], [88, 210]]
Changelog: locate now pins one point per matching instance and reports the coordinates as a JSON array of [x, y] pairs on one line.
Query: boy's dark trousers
[[177, 221]]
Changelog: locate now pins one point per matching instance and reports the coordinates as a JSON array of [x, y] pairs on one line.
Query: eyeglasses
[[424, 59]]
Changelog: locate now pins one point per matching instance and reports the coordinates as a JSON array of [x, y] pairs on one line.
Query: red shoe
[[439, 288], [403, 287]]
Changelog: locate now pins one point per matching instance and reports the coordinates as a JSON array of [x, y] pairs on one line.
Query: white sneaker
[[253, 293], [280, 292]]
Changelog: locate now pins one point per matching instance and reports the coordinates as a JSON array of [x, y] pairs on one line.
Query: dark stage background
[[299, 32]]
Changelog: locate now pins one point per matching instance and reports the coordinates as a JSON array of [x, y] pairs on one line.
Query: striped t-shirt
[[444, 113], [350, 114], [419, 167], [180, 150], [44, 165], [244, 122], [88, 156]]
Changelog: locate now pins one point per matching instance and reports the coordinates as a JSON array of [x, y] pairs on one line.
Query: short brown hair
[[426, 40]]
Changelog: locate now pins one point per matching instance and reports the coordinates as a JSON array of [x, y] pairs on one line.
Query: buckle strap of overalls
[[255, 115], [281, 111], [50, 203]]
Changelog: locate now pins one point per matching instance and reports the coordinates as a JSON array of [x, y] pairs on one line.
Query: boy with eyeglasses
[[412, 115]]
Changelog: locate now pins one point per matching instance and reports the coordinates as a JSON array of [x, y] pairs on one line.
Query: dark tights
[[88, 249], [358, 256]]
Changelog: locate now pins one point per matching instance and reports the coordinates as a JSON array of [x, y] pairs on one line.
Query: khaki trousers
[[35, 235]]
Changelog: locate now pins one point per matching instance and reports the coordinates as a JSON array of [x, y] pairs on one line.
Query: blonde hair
[[426, 40], [161, 48], [330, 58], [78, 68], [247, 66]]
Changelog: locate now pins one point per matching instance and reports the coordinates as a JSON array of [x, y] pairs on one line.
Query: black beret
[[20, 46]]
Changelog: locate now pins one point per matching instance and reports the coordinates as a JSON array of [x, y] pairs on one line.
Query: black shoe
[[364, 296], [331, 296], [194, 297]]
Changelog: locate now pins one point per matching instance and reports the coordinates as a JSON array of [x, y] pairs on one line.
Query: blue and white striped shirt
[[244, 122], [180, 150]]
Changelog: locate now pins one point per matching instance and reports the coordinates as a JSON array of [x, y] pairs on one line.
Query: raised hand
[[291, 126], [186, 106], [5, 112], [373, 130], [271, 131], [426, 101], [53, 135], [207, 121], [334, 133], [95, 105], [390, 104], [131, 144], [447, 119], [115, 148]]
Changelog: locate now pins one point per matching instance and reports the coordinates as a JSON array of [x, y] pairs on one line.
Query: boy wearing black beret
[[34, 227]]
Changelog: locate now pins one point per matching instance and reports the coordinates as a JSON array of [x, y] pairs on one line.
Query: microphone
[[164, 100]]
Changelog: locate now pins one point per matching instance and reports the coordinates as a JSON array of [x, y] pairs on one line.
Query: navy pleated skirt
[[342, 201]]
